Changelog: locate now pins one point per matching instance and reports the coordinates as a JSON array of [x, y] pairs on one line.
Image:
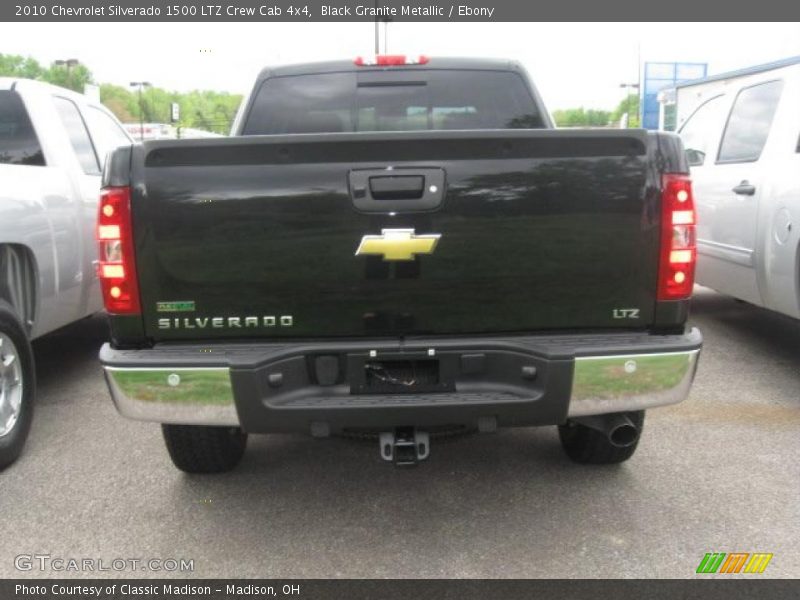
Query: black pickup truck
[[397, 248]]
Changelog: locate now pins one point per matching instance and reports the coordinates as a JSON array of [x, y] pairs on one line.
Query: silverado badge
[[398, 244]]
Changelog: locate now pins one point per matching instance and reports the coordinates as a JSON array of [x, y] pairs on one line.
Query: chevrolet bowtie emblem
[[398, 244]]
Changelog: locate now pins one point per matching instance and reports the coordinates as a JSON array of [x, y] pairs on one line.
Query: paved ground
[[718, 473]]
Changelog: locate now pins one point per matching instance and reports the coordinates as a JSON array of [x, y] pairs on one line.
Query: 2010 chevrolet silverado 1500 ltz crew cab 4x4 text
[[52, 146], [398, 247]]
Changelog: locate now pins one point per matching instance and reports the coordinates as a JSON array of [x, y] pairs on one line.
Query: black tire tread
[[204, 449]]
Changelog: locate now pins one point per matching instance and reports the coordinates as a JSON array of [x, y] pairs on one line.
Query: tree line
[[202, 109], [582, 117], [214, 111]]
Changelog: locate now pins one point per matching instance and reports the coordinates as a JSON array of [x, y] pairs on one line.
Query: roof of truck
[[28, 85], [786, 62], [335, 66]]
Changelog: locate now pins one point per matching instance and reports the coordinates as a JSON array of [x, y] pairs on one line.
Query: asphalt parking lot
[[719, 472]]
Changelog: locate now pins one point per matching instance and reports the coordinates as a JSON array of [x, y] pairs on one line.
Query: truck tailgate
[[258, 236]]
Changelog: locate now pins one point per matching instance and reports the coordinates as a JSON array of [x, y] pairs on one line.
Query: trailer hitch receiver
[[404, 446]]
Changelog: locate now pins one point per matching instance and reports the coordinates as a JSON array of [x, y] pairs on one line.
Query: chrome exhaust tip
[[617, 427], [623, 434]]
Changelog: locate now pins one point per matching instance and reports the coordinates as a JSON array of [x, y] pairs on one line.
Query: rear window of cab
[[392, 101]]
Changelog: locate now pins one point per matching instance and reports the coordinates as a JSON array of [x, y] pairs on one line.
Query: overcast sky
[[573, 64]]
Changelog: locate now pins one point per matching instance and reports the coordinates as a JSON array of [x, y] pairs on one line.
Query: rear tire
[[17, 386], [204, 449], [589, 446]]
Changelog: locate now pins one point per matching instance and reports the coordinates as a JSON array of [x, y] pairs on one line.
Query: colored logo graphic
[[398, 244], [734, 562]]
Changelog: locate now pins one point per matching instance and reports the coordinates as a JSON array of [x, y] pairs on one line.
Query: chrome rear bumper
[[573, 382], [609, 384], [189, 396]]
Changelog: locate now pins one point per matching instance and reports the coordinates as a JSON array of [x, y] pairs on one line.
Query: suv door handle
[[745, 189]]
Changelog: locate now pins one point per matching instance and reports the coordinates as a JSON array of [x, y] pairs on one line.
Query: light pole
[[68, 63], [378, 20], [628, 87], [377, 32], [141, 85]]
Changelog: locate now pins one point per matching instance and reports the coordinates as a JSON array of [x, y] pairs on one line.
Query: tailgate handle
[[397, 187], [403, 189]]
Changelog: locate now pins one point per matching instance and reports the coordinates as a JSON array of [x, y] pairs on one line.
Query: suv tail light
[[116, 268], [678, 238], [390, 60]]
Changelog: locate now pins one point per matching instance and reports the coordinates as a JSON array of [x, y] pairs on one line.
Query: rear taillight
[[390, 60], [678, 241], [115, 266]]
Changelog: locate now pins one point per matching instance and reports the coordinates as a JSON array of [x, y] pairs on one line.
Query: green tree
[[73, 77], [580, 117], [212, 111], [121, 101], [629, 105], [12, 65], [202, 109]]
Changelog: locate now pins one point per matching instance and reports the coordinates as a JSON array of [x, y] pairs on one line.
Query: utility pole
[[141, 85]]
